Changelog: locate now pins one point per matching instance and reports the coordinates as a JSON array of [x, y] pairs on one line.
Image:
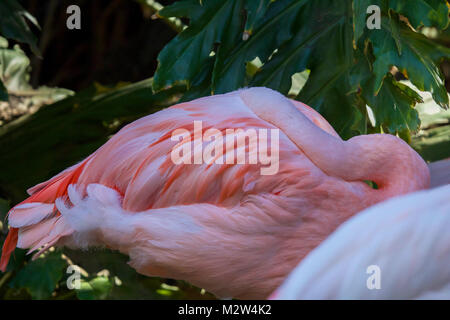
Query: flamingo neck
[[383, 158], [388, 161]]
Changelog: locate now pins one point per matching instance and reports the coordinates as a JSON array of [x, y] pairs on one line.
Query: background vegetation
[[64, 92]]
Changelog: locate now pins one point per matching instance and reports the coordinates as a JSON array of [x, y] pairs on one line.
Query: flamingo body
[[223, 227]]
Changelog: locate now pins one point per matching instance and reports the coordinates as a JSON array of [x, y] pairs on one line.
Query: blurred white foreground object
[[397, 249]]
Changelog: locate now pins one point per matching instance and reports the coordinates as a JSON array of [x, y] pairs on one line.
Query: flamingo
[[226, 228], [403, 241]]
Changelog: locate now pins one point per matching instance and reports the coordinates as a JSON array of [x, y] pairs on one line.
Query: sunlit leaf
[[95, 289], [419, 59]]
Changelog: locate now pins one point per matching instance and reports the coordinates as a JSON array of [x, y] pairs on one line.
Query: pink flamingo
[[223, 227], [397, 249]]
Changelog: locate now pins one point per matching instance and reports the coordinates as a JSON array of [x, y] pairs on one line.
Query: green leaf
[[276, 27], [428, 13], [220, 22], [347, 119], [14, 69], [13, 24], [329, 80], [419, 59], [255, 11], [41, 276], [328, 38], [212, 21], [305, 49], [184, 8], [15, 74], [395, 33], [96, 289], [360, 17], [394, 105]]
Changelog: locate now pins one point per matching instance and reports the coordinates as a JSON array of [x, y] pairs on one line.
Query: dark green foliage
[[410, 51], [327, 37], [428, 13], [40, 276], [13, 24]]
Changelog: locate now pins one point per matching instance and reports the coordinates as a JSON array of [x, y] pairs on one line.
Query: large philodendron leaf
[[348, 118], [328, 81], [184, 57], [307, 50], [272, 30], [255, 11], [428, 13], [13, 24], [212, 21], [415, 55], [236, 43], [394, 105], [359, 16]]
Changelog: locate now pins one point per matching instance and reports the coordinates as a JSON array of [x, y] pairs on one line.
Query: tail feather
[[74, 170], [36, 222], [28, 214], [8, 247], [58, 229], [32, 236]]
